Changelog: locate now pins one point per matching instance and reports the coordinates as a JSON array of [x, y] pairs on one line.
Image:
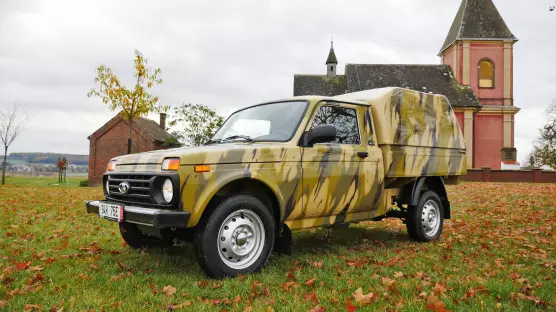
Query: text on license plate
[[111, 211]]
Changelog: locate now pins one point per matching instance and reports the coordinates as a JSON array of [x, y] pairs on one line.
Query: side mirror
[[321, 134]]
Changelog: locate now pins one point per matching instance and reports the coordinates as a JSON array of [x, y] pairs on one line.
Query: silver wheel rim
[[430, 218], [241, 239]]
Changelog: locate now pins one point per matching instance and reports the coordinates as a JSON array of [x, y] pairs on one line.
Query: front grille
[[144, 189]]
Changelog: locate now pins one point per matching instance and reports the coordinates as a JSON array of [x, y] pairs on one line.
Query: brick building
[[476, 75], [110, 141]]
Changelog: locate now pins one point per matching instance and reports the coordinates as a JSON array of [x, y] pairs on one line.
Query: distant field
[[45, 181], [498, 253]]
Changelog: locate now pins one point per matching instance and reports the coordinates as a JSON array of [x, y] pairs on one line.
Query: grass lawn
[[496, 254], [44, 181]]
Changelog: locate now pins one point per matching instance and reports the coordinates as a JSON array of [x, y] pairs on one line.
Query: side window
[[345, 121]]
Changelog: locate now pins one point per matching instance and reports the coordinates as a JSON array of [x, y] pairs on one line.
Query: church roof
[[331, 56], [477, 20], [424, 78], [319, 85]]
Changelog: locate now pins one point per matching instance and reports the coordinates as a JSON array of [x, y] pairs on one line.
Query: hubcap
[[430, 218], [241, 239]]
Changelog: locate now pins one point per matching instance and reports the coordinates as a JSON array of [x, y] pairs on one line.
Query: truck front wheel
[[425, 220], [237, 237]]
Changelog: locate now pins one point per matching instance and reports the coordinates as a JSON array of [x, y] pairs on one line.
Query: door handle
[[363, 154]]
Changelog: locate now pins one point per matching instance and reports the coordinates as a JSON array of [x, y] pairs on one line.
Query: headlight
[[172, 164], [107, 186], [111, 165], [167, 190]]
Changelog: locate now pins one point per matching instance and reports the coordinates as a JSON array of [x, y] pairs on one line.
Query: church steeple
[[477, 20], [331, 61]]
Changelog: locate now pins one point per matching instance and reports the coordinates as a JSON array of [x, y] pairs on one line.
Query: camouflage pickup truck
[[292, 164]]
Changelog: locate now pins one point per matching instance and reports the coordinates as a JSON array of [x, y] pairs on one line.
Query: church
[[476, 75]]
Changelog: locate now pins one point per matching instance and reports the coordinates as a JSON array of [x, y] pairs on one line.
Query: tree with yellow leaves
[[133, 102]]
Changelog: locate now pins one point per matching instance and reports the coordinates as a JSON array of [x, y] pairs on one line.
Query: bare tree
[[544, 152], [12, 122]]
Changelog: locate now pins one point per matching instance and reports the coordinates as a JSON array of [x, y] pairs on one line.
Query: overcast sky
[[230, 54]]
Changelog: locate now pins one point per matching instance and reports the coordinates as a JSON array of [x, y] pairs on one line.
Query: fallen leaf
[[317, 309], [388, 282], [311, 282], [350, 307], [312, 297], [248, 309], [3, 303], [216, 285], [317, 264], [20, 266], [399, 275], [291, 276], [434, 304], [202, 284], [32, 307], [169, 290], [287, 286], [439, 289], [179, 306], [364, 299]]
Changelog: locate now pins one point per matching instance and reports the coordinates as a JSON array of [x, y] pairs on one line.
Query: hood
[[211, 154]]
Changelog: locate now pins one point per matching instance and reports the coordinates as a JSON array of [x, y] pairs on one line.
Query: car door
[[333, 172]]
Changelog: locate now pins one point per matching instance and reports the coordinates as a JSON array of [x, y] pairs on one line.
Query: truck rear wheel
[[236, 238], [425, 221], [136, 239]]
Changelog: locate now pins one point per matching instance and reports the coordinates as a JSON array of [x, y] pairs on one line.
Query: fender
[[433, 183], [222, 181]]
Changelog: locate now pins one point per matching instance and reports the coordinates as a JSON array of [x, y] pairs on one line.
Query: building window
[[486, 74]]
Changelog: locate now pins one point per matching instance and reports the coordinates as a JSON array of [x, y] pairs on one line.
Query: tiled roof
[[424, 78], [139, 123], [477, 20], [319, 85], [436, 79], [153, 128]]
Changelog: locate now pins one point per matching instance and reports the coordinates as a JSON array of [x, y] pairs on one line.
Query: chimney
[[163, 121]]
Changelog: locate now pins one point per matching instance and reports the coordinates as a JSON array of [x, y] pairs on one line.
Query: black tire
[[208, 236], [135, 239], [419, 228]]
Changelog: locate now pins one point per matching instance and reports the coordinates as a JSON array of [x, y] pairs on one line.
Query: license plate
[[111, 211]]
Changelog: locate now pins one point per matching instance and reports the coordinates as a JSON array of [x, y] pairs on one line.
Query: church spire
[[477, 20], [331, 61]]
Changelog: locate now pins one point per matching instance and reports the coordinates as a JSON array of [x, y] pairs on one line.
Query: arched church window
[[486, 74]]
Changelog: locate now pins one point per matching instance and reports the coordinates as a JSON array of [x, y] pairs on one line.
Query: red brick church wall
[[114, 143], [495, 52], [489, 139]]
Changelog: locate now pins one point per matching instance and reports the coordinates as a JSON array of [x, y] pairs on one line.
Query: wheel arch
[[269, 193], [411, 192]]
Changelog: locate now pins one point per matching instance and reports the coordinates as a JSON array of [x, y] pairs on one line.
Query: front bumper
[[157, 218]]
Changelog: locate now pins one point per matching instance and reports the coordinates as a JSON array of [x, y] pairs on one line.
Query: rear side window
[[345, 121]]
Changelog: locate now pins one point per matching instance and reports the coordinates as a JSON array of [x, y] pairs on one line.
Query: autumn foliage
[[496, 254]]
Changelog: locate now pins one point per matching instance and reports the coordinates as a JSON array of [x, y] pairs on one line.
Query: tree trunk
[[4, 167], [129, 138]]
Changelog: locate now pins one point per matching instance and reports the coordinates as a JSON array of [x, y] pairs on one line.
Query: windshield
[[275, 122]]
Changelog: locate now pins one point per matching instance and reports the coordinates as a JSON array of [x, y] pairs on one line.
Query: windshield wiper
[[235, 137]]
